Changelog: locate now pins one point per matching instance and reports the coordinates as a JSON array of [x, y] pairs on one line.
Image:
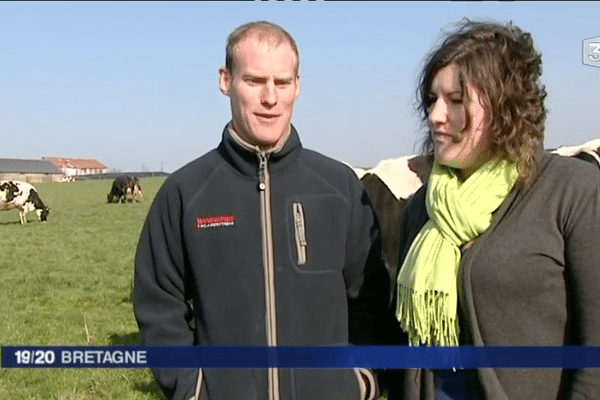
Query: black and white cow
[[390, 185], [125, 188], [589, 151], [22, 195]]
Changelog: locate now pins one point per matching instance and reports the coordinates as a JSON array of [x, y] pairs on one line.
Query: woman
[[500, 247]]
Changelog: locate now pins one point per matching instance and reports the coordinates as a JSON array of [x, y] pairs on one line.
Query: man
[[261, 242]]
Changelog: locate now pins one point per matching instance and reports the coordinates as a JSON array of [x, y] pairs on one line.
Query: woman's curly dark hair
[[503, 64]]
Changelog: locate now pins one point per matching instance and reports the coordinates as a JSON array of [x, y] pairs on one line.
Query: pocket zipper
[[300, 233]]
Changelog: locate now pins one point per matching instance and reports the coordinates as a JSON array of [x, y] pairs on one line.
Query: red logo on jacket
[[217, 220]]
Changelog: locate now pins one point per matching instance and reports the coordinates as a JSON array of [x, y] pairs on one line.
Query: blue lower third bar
[[307, 357]]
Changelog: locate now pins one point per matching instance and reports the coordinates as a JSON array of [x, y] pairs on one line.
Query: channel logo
[[591, 51]]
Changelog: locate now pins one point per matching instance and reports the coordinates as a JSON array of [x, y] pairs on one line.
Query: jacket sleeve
[[160, 296], [582, 257], [367, 280]]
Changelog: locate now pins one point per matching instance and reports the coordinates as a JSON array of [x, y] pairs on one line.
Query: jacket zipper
[[264, 186], [300, 232], [199, 381]]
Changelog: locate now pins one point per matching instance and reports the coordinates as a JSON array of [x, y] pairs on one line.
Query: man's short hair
[[264, 31]]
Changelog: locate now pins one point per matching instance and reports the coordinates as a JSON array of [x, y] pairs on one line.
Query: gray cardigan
[[533, 278]]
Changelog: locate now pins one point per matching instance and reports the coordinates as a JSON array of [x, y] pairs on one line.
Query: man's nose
[[269, 95]]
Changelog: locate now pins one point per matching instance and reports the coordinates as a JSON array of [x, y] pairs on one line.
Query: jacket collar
[[243, 156]]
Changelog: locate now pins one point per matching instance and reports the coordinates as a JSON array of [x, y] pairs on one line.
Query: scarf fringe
[[424, 316]]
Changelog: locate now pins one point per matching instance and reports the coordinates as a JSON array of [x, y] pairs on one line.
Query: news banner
[[307, 357]]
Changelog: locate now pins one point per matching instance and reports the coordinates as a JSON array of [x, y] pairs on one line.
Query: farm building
[[77, 166], [31, 171]]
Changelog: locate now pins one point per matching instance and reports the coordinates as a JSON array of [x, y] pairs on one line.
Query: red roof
[[80, 163]]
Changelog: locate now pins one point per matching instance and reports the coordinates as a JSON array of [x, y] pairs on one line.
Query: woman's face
[[458, 125]]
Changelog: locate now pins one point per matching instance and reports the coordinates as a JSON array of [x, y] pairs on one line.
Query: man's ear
[[297, 86], [224, 80]]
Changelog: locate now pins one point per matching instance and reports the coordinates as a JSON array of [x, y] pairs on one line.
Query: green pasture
[[68, 282]]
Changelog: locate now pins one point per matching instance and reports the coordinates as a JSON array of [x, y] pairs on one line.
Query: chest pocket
[[300, 233], [319, 230]]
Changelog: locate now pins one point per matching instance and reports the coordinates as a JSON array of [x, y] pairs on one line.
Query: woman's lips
[[438, 135]]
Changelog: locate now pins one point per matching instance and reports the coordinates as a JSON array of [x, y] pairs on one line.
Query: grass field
[[68, 282]]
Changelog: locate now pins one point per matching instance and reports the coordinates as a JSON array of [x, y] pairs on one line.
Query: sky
[[135, 84]]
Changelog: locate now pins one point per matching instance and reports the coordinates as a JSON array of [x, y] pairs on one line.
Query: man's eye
[[254, 81]]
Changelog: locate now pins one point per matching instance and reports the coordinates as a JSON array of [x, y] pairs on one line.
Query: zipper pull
[[262, 170]]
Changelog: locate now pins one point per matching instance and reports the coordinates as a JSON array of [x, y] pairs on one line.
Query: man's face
[[262, 89]]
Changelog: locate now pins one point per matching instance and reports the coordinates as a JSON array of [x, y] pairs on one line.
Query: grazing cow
[[22, 195], [124, 188]]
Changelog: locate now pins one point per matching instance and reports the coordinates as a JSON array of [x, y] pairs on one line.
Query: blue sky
[[135, 84]]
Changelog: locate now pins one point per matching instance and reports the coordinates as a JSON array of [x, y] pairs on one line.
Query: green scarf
[[459, 212]]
